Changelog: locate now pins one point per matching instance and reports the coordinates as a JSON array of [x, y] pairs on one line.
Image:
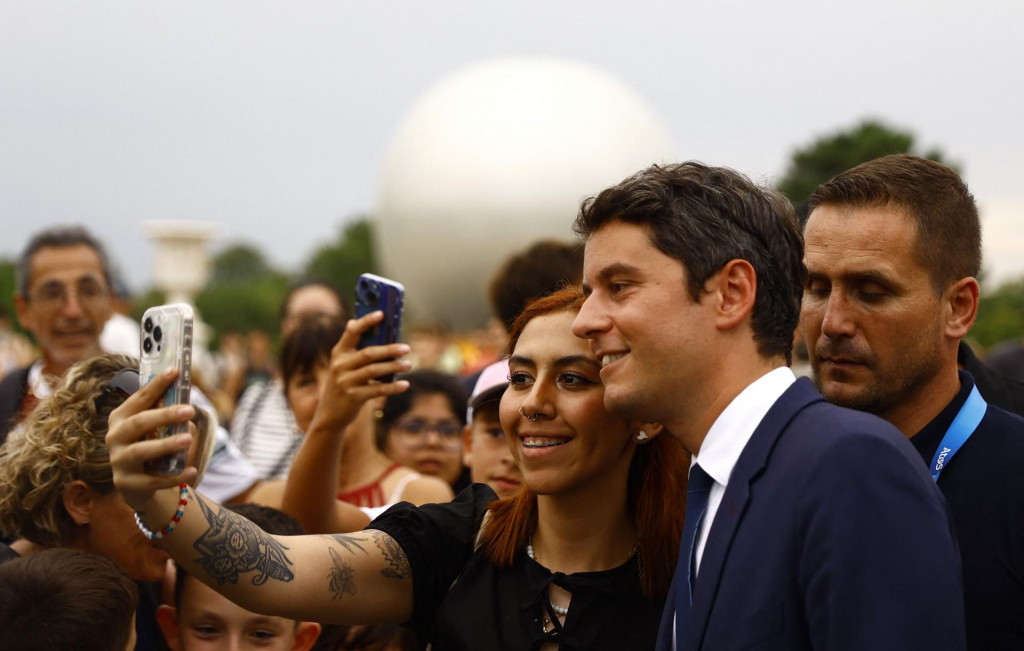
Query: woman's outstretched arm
[[363, 577]]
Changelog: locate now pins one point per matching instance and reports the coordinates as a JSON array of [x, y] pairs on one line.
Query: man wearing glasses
[[63, 298]]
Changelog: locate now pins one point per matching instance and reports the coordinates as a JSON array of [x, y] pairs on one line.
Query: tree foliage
[[7, 287], [1000, 314], [243, 306], [239, 263], [246, 290], [812, 165], [340, 262], [244, 293]]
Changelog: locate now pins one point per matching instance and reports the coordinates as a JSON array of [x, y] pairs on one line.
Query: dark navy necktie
[[698, 488]]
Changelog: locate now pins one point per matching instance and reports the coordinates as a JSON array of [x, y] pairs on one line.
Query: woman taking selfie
[[580, 557], [335, 465]]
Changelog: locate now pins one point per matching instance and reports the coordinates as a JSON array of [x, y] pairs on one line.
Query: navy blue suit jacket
[[830, 535]]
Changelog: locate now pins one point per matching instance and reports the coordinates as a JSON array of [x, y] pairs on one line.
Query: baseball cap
[[489, 386]]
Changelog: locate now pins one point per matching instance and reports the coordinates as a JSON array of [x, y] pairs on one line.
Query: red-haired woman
[[580, 558]]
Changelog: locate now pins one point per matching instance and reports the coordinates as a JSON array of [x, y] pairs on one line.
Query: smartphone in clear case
[[167, 342]]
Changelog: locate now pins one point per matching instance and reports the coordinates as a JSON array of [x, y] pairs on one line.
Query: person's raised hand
[[352, 375], [128, 425]]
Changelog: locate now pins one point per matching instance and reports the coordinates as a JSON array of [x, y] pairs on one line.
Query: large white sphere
[[493, 158]]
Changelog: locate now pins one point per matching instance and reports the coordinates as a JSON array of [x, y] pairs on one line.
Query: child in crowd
[[422, 428], [485, 451], [66, 599], [203, 619]]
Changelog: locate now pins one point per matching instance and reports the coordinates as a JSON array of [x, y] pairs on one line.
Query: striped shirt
[[264, 429]]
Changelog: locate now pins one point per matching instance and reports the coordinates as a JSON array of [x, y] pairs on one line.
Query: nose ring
[[534, 418]]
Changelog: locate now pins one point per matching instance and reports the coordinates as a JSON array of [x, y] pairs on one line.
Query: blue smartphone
[[377, 293]]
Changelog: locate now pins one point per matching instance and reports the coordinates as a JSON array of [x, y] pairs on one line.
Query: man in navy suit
[[893, 253], [809, 526]]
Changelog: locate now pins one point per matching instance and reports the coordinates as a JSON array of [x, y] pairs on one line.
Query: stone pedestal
[[181, 268]]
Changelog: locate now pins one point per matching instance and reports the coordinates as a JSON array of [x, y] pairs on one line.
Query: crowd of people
[[642, 469]]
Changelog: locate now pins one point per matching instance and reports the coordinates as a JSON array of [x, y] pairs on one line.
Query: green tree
[[239, 263], [7, 287], [341, 261], [244, 293], [1000, 314], [249, 305], [813, 164]]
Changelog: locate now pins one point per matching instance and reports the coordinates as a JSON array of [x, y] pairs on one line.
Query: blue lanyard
[[966, 421]]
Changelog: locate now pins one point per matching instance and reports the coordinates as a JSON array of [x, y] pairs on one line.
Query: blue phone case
[[377, 293]]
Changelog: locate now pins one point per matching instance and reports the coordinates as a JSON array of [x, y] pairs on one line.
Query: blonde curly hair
[[61, 441]]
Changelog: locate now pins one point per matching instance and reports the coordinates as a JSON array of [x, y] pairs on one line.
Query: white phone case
[[167, 342]]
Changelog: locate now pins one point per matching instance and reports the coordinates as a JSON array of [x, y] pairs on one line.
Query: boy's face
[[206, 621], [487, 453]]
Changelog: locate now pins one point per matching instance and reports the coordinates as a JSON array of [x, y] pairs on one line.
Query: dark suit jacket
[[830, 535], [12, 390]]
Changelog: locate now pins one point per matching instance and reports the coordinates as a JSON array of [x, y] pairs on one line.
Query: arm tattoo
[[233, 545], [350, 543], [341, 578], [398, 563]]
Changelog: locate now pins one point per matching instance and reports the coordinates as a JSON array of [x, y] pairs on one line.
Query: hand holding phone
[[167, 342]]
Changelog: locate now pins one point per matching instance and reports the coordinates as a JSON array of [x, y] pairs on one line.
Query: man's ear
[[961, 302], [78, 501], [21, 309], [734, 287], [305, 636], [467, 445], [167, 618]]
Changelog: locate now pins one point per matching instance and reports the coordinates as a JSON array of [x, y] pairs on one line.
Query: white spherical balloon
[[493, 158]]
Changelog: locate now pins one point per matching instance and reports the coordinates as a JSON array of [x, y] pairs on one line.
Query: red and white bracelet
[[182, 502]]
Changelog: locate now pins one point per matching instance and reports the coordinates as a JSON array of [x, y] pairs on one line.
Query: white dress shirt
[[729, 435]]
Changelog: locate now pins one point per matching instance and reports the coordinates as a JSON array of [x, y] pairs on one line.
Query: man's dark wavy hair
[[706, 216]]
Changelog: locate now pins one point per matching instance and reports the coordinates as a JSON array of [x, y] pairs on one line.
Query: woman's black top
[[491, 608]]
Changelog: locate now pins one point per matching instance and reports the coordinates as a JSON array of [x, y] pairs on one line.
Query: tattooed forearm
[[341, 578], [233, 545], [350, 543], [398, 563]]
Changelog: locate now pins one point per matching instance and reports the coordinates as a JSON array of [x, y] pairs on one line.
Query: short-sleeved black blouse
[[491, 608]]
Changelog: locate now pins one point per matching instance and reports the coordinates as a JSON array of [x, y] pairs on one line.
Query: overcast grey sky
[[272, 119]]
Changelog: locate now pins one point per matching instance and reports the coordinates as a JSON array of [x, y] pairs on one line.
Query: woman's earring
[[642, 436]]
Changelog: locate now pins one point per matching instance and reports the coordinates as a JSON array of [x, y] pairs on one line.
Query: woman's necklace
[[562, 612]]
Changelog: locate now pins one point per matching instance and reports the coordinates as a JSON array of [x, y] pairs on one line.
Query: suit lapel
[[750, 464], [667, 625]]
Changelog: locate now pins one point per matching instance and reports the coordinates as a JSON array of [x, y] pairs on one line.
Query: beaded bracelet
[[182, 502]]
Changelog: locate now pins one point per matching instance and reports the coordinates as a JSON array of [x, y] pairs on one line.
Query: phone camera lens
[[148, 324], [367, 292], [158, 334], [147, 345]]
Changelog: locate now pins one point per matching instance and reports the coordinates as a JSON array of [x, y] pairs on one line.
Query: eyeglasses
[[54, 295], [413, 433]]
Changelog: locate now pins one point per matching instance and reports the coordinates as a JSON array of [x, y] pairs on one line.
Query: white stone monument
[[493, 158], [181, 257], [181, 268]]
